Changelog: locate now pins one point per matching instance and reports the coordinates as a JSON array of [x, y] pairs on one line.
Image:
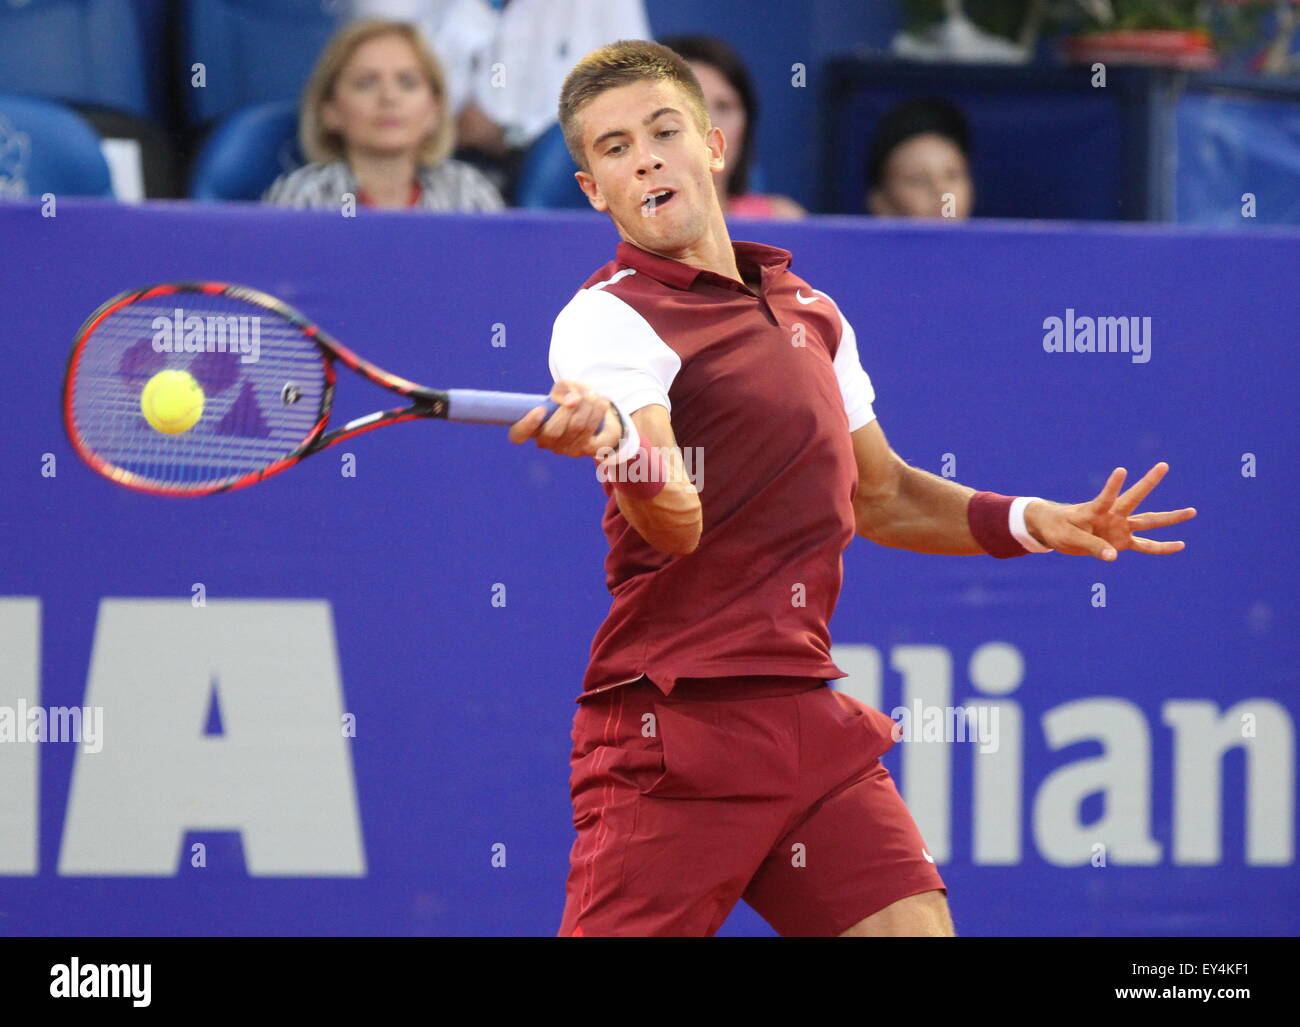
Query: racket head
[[266, 372]]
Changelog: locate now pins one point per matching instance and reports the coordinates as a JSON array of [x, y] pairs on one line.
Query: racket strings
[[263, 385]]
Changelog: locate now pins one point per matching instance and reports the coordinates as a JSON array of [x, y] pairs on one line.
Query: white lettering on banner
[[1122, 774], [1198, 813], [281, 772], [1202, 734], [998, 788], [20, 646]]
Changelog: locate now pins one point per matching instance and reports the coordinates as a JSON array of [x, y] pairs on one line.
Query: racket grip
[[476, 406]]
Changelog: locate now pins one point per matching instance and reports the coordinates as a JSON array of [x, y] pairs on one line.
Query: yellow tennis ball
[[172, 402]]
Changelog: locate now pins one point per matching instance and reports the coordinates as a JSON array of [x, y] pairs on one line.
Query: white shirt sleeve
[[601, 341], [855, 383]]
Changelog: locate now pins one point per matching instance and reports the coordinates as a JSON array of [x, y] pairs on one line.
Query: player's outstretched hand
[[573, 429], [1105, 525]]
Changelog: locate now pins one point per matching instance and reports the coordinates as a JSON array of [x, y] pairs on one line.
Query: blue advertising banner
[[339, 702]]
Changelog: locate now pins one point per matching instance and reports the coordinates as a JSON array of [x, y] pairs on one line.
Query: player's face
[[650, 166], [918, 176], [382, 101]]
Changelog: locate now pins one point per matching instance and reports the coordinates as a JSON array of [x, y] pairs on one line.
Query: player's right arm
[[673, 520], [588, 424], [619, 372]]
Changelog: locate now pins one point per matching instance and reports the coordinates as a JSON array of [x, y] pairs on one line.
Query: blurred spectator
[[374, 123], [506, 61], [918, 164], [733, 106]]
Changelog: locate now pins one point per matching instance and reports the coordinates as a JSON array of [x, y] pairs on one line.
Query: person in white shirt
[[506, 61]]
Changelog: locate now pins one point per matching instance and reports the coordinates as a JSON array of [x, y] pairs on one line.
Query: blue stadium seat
[[77, 51], [546, 175], [246, 153], [45, 148], [252, 51]]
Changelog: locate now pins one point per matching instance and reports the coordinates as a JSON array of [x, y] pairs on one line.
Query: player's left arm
[[904, 507]]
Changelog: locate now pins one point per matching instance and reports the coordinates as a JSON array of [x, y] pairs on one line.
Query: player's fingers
[[560, 428], [561, 389], [1160, 519], [1131, 499], [1106, 497], [568, 395], [585, 421], [611, 430], [573, 429], [1148, 545], [554, 432], [1078, 541], [526, 427]]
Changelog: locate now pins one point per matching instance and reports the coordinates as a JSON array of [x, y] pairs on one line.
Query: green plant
[[1157, 14]]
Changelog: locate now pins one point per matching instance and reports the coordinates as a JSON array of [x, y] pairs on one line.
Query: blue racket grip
[[475, 406]]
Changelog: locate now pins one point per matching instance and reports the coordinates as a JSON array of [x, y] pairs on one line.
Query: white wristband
[[1017, 524]]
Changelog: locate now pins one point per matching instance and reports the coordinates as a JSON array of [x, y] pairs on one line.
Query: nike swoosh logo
[[800, 297], [926, 854]]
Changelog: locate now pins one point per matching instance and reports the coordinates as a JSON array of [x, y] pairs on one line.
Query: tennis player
[[711, 761]]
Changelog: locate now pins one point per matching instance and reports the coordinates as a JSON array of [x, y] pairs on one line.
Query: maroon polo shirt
[[762, 409]]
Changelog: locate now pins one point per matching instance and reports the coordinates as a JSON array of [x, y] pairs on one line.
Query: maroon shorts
[[768, 789]]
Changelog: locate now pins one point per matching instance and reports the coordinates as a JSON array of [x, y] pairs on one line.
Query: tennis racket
[[267, 375]]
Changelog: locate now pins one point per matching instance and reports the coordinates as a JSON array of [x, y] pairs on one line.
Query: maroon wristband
[[989, 517], [640, 476]]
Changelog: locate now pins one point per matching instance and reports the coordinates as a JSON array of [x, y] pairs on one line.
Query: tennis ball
[[172, 402]]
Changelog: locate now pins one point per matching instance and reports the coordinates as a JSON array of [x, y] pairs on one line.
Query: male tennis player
[[711, 761]]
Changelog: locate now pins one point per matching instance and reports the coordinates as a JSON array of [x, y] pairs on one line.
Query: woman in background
[[733, 106], [374, 123]]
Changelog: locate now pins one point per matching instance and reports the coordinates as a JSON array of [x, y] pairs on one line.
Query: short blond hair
[[621, 64], [321, 145]]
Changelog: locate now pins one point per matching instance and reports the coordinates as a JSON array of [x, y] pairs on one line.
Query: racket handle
[[478, 407], [475, 406]]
